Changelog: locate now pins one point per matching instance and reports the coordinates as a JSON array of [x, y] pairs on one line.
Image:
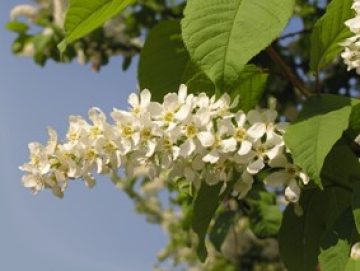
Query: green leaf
[[205, 205], [223, 35], [265, 215], [355, 116], [328, 32], [200, 83], [17, 27], [341, 165], [353, 265], [251, 86], [84, 16], [356, 204], [164, 61], [300, 236], [320, 125], [336, 244], [221, 227]]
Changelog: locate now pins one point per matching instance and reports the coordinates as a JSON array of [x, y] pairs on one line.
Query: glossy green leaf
[[265, 215], [340, 171], [205, 205], [320, 125], [221, 228], [223, 35], [17, 27], [336, 244], [84, 16], [164, 61], [250, 88], [356, 203], [328, 32], [300, 237], [353, 265]]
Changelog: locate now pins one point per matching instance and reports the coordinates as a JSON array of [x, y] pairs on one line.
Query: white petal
[[292, 192], [207, 139], [96, 115], [257, 130], [270, 115], [187, 148], [245, 147], [281, 126], [304, 177], [198, 163], [272, 153], [184, 112], [254, 116], [171, 101], [212, 157], [189, 174], [280, 161], [182, 92], [228, 145], [240, 119], [155, 110], [145, 96], [133, 100], [256, 166], [276, 179]]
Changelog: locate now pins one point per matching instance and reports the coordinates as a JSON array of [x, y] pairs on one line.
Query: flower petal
[[256, 166], [276, 179], [206, 138], [292, 192], [257, 130]]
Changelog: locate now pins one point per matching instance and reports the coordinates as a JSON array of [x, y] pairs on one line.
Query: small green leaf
[[251, 86], [220, 230], [164, 62], [17, 27], [328, 32], [265, 215], [300, 236], [336, 244], [356, 203], [353, 265], [337, 169], [320, 125], [84, 16], [205, 205], [355, 116], [223, 35]]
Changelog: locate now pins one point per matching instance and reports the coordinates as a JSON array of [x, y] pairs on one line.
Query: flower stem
[[288, 73]]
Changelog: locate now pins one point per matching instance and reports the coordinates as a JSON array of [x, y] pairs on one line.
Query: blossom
[[198, 138], [288, 175], [351, 53]]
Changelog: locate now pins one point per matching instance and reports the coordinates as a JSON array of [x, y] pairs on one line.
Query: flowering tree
[[253, 185]]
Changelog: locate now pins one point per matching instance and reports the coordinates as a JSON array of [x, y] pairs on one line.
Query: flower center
[[240, 134], [191, 131], [169, 116]]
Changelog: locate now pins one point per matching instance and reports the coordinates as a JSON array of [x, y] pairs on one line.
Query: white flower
[[286, 176], [193, 137], [355, 252], [23, 10], [351, 54]]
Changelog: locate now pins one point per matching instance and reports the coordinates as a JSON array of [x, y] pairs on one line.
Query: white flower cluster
[[351, 55], [193, 137]]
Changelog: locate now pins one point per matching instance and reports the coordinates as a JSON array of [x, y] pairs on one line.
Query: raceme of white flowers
[[192, 137], [351, 55]]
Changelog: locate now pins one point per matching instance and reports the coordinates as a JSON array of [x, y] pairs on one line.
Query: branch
[[288, 73]]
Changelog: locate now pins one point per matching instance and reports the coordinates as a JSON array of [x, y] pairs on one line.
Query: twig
[[288, 73], [304, 31]]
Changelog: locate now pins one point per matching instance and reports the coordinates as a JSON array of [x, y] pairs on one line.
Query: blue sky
[[88, 230]]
